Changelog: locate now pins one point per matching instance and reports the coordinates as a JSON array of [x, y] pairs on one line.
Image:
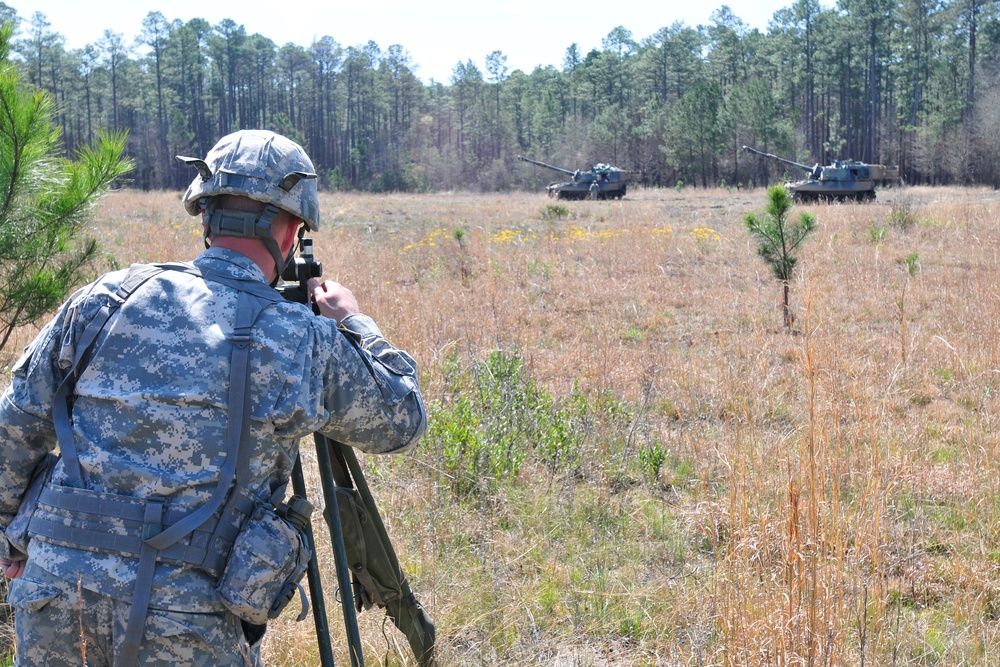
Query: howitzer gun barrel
[[547, 166], [748, 149]]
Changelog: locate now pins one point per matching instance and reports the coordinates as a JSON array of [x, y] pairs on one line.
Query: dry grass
[[828, 496]]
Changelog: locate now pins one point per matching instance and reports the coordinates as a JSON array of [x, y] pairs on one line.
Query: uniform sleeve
[[379, 409], [26, 430]]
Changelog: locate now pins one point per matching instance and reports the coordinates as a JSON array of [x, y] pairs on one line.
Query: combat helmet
[[263, 166]]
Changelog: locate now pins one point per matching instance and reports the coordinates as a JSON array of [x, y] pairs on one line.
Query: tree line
[[909, 83]]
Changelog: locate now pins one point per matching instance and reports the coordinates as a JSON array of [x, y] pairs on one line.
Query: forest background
[[911, 83]]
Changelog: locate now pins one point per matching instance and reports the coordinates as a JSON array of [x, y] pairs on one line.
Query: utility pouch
[[17, 532], [269, 558]]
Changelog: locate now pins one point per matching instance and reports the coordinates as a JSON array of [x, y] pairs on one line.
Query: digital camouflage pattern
[[254, 163], [269, 557], [150, 407], [59, 625]]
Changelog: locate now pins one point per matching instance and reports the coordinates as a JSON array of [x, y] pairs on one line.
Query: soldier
[[140, 378]]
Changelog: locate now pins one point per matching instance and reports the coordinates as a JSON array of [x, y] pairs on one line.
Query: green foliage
[[555, 212], [694, 138], [778, 240], [901, 214], [45, 200], [560, 444], [946, 375], [485, 437], [497, 418], [651, 459], [752, 112], [334, 179], [876, 232], [673, 103], [511, 398], [912, 262]]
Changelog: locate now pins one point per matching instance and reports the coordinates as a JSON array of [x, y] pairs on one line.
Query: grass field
[[631, 461]]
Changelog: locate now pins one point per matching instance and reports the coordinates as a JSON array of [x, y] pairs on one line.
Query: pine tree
[[778, 240], [44, 200]]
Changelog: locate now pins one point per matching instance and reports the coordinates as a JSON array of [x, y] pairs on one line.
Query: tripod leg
[[323, 447], [315, 585]]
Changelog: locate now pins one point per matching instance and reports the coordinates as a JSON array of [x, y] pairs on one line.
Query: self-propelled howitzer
[[602, 181], [837, 181]]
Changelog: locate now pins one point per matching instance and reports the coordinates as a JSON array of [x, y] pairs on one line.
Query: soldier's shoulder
[[296, 315], [97, 290], [295, 321]]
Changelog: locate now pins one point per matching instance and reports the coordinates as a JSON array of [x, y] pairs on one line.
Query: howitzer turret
[[602, 181], [837, 181]]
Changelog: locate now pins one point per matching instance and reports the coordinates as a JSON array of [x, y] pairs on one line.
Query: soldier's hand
[[333, 299], [13, 569]]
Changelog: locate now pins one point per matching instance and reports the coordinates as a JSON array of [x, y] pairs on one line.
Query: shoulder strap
[[237, 465], [136, 276], [134, 279]]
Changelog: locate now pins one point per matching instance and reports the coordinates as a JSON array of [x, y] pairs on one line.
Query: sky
[[438, 34]]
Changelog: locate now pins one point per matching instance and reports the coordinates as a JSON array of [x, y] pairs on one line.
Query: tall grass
[[632, 462]]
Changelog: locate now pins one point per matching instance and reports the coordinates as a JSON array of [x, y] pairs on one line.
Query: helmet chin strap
[[243, 224], [288, 258]]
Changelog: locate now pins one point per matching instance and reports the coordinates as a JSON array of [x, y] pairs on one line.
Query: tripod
[[331, 513], [362, 549]]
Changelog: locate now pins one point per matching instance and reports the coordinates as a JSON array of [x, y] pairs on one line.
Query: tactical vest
[[202, 538]]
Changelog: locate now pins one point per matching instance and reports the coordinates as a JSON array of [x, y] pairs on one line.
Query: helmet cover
[[260, 165]]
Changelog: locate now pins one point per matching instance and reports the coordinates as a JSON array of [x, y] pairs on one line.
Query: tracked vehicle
[[602, 181], [838, 181]]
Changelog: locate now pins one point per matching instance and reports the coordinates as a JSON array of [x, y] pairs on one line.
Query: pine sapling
[[778, 240]]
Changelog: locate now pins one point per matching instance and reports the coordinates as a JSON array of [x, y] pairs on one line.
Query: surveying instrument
[[368, 571]]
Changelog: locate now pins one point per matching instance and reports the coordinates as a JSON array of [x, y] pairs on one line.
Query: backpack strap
[[134, 279]]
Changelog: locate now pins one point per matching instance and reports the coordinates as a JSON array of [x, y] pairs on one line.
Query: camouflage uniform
[[150, 417]]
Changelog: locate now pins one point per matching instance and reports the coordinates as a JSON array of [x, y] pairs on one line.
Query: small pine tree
[[44, 200], [778, 240]]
